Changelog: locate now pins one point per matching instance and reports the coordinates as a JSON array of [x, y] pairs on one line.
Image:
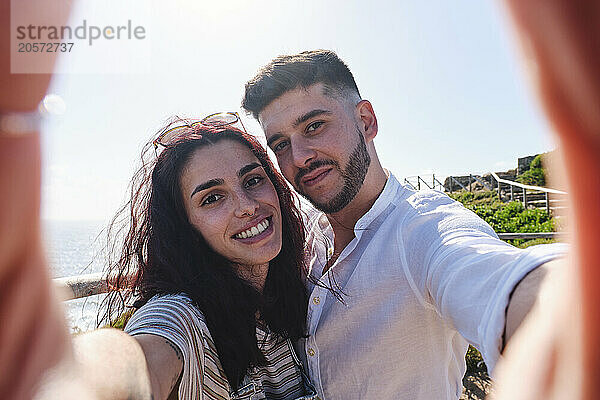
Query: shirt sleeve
[[176, 319], [464, 270]]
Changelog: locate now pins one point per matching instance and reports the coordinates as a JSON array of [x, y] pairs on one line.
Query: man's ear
[[368, 124]]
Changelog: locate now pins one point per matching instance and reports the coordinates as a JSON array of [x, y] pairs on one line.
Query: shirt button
[[316, 300], [311, 352]]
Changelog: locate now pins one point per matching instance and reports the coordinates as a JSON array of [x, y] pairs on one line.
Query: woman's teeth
[[255, 230]]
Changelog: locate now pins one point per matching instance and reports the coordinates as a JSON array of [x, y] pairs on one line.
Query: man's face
[[319, 146]]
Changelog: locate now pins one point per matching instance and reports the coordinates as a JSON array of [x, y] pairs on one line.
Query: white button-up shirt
[[422, 278]]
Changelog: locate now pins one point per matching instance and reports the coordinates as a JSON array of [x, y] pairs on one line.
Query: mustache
[[311, 167]]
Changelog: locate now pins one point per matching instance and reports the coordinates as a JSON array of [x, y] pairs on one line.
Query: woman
[[216, 247]]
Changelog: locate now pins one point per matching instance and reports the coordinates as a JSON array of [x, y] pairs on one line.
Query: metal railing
[[472, 179], [524, 188], [432, 183], [77, 287], [529, 236]]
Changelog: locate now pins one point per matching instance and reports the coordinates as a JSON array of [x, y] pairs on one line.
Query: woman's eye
[[254, 181], [314, 126], [211, 198], [279, 146]]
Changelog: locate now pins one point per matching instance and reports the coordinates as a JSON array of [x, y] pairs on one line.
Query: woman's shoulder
[[169, 311], [176, 318]]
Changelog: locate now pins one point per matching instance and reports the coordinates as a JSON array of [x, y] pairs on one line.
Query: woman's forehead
[[222, 159]]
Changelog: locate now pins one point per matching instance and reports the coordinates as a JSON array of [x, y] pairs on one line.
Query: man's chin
[[330, 206]]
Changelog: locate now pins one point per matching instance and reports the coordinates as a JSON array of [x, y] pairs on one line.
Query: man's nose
[[302, 153]]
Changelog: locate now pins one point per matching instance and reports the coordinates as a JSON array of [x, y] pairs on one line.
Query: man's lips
[[315, 176]]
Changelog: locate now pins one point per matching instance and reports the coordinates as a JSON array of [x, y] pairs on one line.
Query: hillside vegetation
[[535, 175], [509, 217]]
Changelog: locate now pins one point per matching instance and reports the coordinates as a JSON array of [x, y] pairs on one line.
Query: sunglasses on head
[[216, 120]]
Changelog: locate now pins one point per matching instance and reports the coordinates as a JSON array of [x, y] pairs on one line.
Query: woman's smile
[[256, 232]]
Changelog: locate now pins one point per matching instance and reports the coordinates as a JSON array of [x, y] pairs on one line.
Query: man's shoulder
[[419, 202], [423, 201], [435, 210]]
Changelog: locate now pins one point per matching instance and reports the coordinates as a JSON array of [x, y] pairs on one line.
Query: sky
[[444, 78]]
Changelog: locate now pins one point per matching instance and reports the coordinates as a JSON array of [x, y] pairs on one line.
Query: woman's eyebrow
[[247, 168], [207, 185]]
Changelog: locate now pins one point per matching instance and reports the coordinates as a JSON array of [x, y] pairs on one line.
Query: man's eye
[[314, 126], [280, 146], [254, 181], [211, 198]]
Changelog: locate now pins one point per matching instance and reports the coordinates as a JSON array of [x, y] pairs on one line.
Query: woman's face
[[232, 203]]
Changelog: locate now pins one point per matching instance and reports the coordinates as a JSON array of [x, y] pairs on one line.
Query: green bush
[[506, 217], [535, 175], [121, 321], [533, 242], [474, 198], [509, 217]]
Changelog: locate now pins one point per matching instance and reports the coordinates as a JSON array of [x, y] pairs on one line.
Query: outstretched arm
[[37, 355], [33, 334], [525, 296], [113, 365], [561, 41]]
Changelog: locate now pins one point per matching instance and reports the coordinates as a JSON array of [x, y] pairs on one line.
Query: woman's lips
[[257, 238]]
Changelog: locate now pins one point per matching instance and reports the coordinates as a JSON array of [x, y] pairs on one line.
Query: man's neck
[[343, 222]]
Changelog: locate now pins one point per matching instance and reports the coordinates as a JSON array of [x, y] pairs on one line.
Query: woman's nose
[[246, 206]]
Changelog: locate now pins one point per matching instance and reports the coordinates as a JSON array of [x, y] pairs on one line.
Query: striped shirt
[[176, 319]]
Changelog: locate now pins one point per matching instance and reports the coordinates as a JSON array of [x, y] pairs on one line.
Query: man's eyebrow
[[247, 168], [207, 185], [303, 118], [309, 115]]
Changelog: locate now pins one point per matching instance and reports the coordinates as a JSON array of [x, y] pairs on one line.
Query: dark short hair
[[302, 70]]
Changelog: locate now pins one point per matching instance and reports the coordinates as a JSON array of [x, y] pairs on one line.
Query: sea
[[74, 248]]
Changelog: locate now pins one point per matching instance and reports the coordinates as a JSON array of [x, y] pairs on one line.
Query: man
[[414, 276]]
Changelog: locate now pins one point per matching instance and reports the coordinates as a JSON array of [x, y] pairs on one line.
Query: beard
[[353, 176]]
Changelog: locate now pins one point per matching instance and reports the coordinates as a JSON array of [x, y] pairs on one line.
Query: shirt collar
[[383, 200], [386, 196]]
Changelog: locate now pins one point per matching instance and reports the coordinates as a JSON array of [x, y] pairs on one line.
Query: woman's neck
[[256, 275]]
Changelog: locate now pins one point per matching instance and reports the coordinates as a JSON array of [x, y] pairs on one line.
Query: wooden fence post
[[547, 203], [525, 198], [470, 190], [451, 179], [512, 193]]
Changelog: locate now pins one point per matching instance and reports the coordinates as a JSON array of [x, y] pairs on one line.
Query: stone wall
[[487, 178], [523, 163]]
